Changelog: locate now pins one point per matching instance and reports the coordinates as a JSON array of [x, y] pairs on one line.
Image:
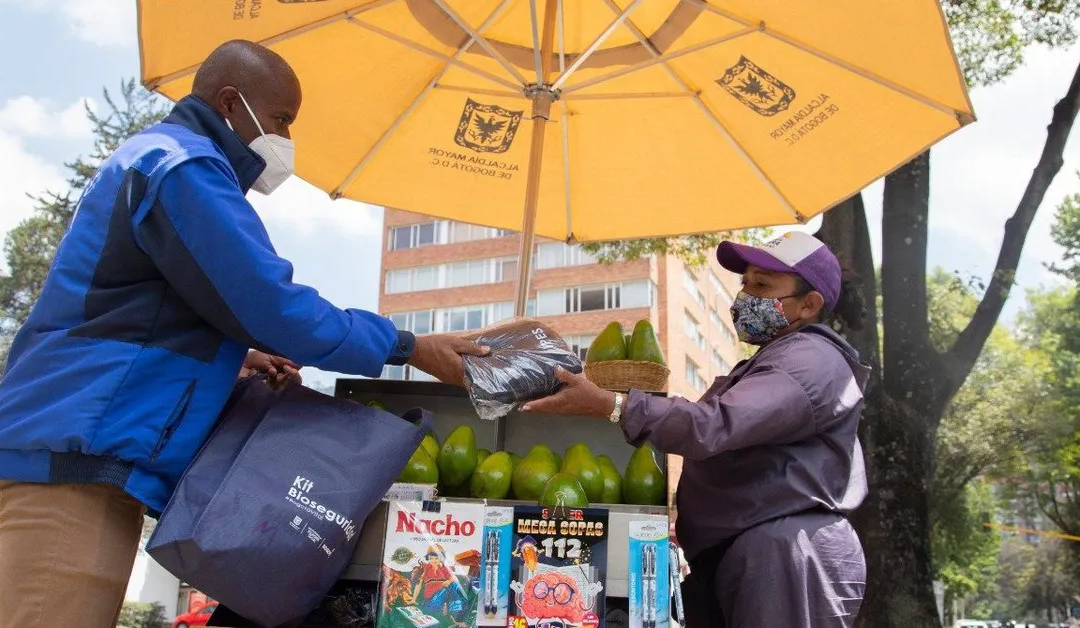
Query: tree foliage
[[991, 37], [983, 436], [965, 552], [29, 247]]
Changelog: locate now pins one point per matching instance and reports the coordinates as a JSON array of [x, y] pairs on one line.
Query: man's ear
[[226, 99]]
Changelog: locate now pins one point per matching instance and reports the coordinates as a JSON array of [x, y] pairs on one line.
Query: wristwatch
[[616, 413]]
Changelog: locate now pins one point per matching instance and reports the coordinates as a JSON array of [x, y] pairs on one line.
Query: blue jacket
[[164, 280]]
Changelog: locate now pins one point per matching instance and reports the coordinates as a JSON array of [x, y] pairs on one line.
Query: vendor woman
[[772, 462]]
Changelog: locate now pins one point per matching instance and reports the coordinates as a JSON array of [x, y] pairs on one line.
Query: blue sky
[[57, 54]]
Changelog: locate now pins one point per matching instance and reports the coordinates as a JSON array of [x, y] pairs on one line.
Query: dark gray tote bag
[[266, 517]]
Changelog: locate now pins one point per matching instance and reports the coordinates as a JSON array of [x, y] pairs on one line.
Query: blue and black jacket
[[164, 280]]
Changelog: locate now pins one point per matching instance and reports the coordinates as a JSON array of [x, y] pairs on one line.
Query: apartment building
[[443, 276]]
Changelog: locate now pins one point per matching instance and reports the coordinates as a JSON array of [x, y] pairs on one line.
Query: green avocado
[[579, 462], [563, 489], [457, 459], [492, 477], [644, 483], [644, 345], [609, 345], [612, 481], [420, 469], [533, 472]]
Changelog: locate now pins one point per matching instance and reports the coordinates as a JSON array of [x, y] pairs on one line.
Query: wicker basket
[[622, 375]]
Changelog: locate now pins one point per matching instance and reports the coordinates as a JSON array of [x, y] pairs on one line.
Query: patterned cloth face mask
[[758, 319]]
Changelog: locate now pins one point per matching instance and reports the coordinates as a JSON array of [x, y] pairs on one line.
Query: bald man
[[164, 281]]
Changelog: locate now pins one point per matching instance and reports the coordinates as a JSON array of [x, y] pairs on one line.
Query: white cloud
[[100, 22], [22, 173], [306, 210], [29, 116]]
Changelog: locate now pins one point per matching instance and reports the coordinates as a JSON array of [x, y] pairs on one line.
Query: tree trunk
[[913, 382], [893, 522]]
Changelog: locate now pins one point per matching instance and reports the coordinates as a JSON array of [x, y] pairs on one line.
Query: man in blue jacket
[[163, 282]]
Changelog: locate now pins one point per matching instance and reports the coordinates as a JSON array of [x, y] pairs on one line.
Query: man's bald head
[[262, 76]]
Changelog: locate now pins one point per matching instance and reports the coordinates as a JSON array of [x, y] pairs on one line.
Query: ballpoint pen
[[648, 586], [491, 588], [676, 588]]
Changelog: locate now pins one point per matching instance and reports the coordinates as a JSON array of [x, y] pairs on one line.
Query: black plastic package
[[519, 368], [350, 604]]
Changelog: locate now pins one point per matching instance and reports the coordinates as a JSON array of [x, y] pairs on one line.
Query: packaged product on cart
[[558, 567], [519, 368], [431, 565], [495, 574], [649, 578]]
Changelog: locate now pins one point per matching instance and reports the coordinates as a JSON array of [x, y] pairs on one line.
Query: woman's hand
[[577, 397], [278, 370]]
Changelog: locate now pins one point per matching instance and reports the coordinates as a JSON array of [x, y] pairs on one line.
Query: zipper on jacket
[[174, 421]]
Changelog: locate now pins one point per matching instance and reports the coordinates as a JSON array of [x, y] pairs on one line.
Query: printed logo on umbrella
[[487, 128], [756, 88]]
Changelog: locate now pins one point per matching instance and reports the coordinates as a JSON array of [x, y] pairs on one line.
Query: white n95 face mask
[[278, 152]]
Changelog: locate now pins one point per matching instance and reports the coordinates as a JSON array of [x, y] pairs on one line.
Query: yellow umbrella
[[591, 120]]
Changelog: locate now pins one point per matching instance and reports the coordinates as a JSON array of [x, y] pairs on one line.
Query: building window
[[413, 236], [440, 232], [580, 344], [714, 281], [468, 273], [718, 323], [559, 255], [638, 294], [693, 375], [714, 318], [592, 298], [455, 275], [693, 329], [689, 281], [506, 270], [463, 318], [458, 232], [412, 279], [700, 298], [420, 322], [719, 364], [729, 336], [721, 291]]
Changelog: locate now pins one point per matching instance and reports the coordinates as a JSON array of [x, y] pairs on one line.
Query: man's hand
[[440, 356], [577, 397], [278, 370]]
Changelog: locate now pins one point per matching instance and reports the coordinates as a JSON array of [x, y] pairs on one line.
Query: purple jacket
[[777, 436]]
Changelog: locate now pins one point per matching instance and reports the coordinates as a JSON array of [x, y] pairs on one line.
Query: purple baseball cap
[[794, 252]]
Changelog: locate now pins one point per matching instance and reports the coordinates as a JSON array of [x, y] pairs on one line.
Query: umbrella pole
[[541, 111]]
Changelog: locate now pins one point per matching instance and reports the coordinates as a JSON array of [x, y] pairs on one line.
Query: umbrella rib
[[482, 41], [474, 90], [962, 116], [711, 115], [621, 16], [618, 96], [154, 83], [536, 42], [648, 63], [432, 84], [561, 20], [449, 60]]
